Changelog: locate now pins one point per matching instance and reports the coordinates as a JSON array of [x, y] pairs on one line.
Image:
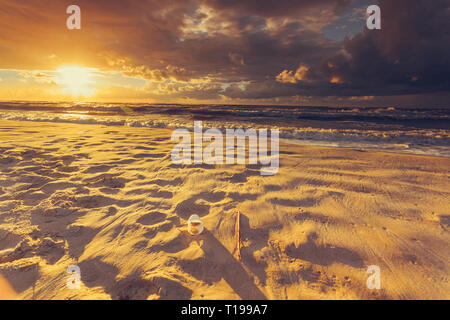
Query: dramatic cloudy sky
[[227, 51]]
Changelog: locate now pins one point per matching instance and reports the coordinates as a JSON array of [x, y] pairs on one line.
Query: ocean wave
[[415, 138]]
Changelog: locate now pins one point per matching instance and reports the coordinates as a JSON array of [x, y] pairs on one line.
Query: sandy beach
[[110, 200]]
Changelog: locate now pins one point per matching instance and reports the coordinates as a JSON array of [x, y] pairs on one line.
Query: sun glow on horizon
[[76, 80]]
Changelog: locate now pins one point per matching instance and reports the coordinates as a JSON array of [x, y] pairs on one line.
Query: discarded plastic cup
[[195, 225]]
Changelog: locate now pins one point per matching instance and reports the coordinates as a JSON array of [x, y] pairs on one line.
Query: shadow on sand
[[218, 263]]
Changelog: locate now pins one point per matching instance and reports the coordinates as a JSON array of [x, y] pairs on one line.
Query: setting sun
[[76, 80]]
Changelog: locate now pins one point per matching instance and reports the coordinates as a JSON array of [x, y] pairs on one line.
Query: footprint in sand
[[106, 180], [323, 255], [154, 230], [152, 218], [133, 288], [51, 250], [98, 169], [8, 239]]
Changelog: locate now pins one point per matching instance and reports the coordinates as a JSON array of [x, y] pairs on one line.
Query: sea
[[420, 130]]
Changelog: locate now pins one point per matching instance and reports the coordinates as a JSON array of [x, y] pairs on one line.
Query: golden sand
[[109, 200]]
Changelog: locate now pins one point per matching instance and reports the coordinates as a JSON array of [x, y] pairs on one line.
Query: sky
[[303, 52]]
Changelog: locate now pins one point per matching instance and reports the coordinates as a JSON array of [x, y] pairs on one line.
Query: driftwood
[[237, 236]]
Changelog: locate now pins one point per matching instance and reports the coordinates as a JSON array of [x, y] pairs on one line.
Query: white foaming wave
[[420, 141]]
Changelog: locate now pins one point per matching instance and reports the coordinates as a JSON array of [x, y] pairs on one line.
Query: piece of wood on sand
[[237, 236]]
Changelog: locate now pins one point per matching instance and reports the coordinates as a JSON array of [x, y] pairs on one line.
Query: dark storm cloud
[[410, 55], [280, 8]]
